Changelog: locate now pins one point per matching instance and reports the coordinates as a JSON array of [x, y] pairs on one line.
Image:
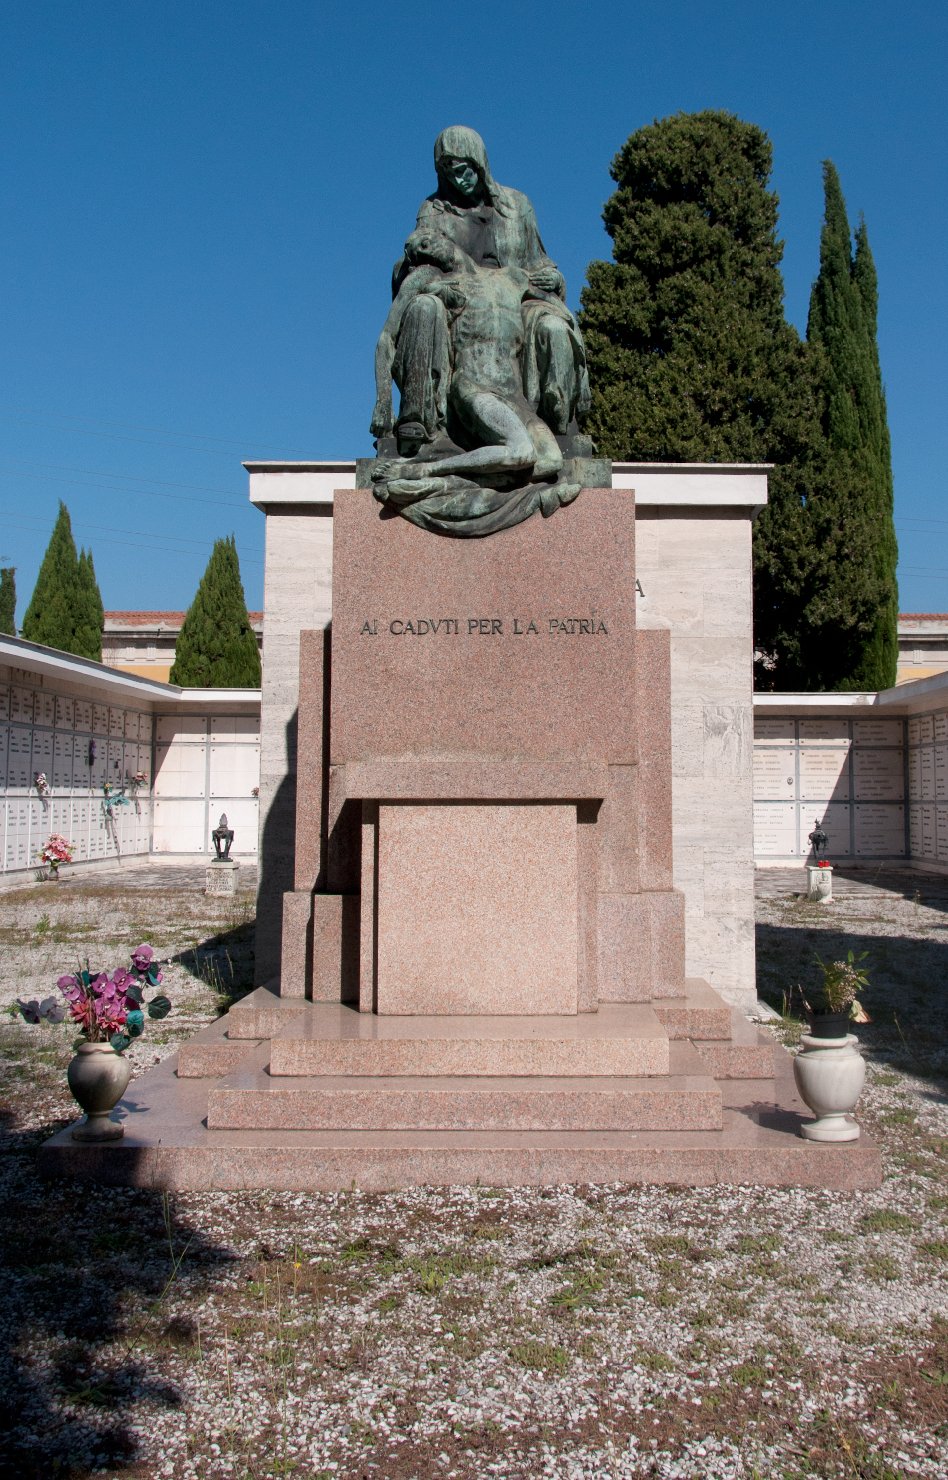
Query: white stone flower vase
[[830, 1073], [98, 1078]]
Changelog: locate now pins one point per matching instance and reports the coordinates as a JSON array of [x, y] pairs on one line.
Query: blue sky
[[202, 203]]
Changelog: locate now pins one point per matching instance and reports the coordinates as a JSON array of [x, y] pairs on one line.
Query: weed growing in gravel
[[886, 1220], [539, 1356]]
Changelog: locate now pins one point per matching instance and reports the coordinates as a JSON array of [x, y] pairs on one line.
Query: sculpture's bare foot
[[410, 490], [385, 471]]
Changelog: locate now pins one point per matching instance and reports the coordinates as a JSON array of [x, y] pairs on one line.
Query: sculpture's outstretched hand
[[381, 423]]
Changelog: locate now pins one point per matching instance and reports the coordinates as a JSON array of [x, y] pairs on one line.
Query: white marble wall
[[297, 598], [694, 567], [205, 765]]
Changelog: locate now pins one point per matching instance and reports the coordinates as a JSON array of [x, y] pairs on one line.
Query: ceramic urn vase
[[830, 1073], [98, 1078]]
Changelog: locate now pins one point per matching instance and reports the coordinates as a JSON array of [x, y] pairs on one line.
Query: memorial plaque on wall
[[824, 773], [926, 729], [62, 761], [776, 731], [941, 726], [879, 830], [21, 704], [774, 777], [877, 732], [915, 775], [926, 772], [941, 834], [18, 756], [914, 731], [878, 775], [44, 709], [775, 829], [824, 732], [83, 715], [65, 712], [915, 831], [833, 818], [131, 724], [42, 751], [100, 719], [940, 762], [116, 722], [929, 831], [4, 703]]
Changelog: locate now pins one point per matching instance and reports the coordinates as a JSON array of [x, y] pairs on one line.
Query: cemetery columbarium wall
[[83, 724], [871, 768]]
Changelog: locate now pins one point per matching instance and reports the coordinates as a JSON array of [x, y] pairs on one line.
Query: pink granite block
[[619, 862], [210, 1053], [296, 956], [311, 752], [701, 1013], [653, 696], [587, 918], [520, 646], [368, 912], [641, 946], [261, 1014], [472, 780], [252, 1099], [334, 1040], [335, 975], [748, 1053], [477, 908]]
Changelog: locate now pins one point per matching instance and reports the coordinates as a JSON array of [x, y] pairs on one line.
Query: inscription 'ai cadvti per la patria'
[[592, 626]]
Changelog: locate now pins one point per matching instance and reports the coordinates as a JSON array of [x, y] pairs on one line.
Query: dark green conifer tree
[[856, 502], [217, 647], [690, 355], [51, 615], [8, 600], [90, 618]]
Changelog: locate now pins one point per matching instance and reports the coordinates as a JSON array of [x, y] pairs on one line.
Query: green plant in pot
[[833, 1005]]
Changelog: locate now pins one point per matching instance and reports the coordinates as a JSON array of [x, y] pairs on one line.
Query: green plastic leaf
[[134, 1024], [159, 1007], [86, 975], [119, 1041], [134, 994]]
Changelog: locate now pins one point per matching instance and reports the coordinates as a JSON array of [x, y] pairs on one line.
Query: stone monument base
[[220, 877], [285, 1094]]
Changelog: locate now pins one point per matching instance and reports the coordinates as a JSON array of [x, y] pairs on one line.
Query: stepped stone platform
[[295, 1095]]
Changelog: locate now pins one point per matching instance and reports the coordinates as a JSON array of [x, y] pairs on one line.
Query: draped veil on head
[[459, 142]]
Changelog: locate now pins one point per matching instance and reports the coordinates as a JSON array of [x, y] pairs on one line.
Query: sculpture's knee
[[519, 452], [553, 336], [423, 311]]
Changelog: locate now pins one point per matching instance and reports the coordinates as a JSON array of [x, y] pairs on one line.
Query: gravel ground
[[571, 1331]]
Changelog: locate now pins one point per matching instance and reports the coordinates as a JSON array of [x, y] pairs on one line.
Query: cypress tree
[[90, 617], [8, 600], [217, 647], [861, 591], [51, 615], [690, 355]]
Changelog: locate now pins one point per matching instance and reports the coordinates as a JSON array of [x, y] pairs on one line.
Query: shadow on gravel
[[930, 890], [87, 1274], [225, 962], [907, 999]]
